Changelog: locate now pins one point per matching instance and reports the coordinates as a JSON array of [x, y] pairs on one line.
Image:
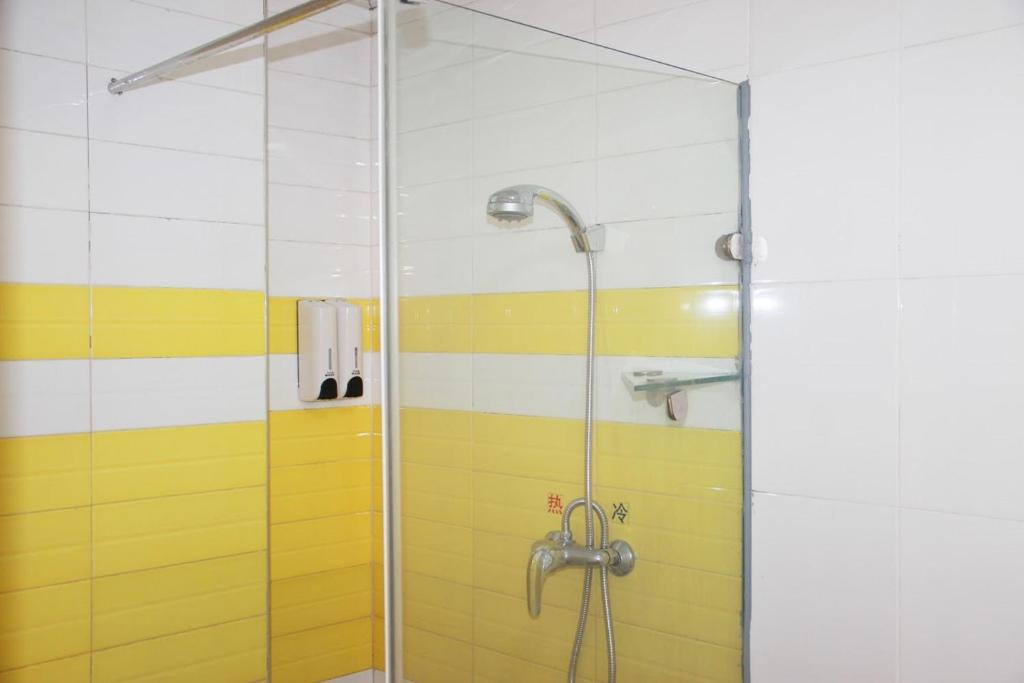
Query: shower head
[[514, 204]]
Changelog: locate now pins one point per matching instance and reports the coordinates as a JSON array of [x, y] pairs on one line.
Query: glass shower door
[[489, 353]]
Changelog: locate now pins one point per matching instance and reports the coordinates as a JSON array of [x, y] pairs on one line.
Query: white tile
[[825, 170], [547, 72], [351, 15], [436, 267], [669, 113], [146, 181], [159, 252], [360, 677], [435, 98], [319, 270], [323, 51], [44, 397], [961, 590], [318, 105], [317, 160], [41, 245], [789, 33], [39, 169], [825, 409], [704, 36], [435, 154], [42, 94], [670, 252], [307, 214], [664, 253], [129, 35], [567, 17], [436, 380], [825, 581], [233, 11], [960, 379], [548, 135], [930, 20], [177, 115], [55, 28], [553, 386], [284, 385], [438, 210], [612, 11], [435, 39], [682, 181], [164, 392], [963, 101]]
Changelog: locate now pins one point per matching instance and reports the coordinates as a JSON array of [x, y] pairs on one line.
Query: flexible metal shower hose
[[588, 495]]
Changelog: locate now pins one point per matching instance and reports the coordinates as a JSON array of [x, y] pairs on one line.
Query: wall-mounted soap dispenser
[[330, 353]]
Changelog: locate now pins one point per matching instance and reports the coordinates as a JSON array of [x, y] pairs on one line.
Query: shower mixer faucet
[[558, 549]]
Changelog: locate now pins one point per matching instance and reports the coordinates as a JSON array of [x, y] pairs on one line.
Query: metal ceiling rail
[[142, 77]]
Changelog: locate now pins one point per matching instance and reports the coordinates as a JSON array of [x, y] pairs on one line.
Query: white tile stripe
[[552, 386]]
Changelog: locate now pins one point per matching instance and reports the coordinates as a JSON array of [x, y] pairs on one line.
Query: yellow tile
[[674, 321], [494, 667], [430, 658], [440, 550], [283, 325], [435, 323], [131, 322], [319, 490], [42, 624], [693, 463], [437, 437], [300, 437], [43, 321], [311, 601], [322, 653], [650, 655], [379, 656], [228, 653], [159, 602], [441, 494], [319, 545], [44, 548], [71, 669], [501, 623], [164, 531], [538, 447], [147, 463], [438, 606], [43, 473]]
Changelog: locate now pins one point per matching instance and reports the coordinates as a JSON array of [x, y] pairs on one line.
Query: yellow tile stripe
[[674, 321], [43, 321], [133, 322], [283, 328]]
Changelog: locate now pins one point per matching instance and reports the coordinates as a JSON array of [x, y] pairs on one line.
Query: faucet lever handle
[[541, 561]]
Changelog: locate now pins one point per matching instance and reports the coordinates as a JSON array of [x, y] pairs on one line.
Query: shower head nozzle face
[[510, 206]]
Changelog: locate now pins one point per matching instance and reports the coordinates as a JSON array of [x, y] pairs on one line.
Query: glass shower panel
[[492, 339]]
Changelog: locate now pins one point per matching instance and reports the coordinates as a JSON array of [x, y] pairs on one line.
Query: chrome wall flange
[[627, 558]]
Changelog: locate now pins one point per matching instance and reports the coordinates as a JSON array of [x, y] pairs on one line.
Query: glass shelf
[[639, 381]]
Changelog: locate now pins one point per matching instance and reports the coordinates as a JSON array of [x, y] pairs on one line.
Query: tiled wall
[[886, 161], [492, 332], [322, 232], [133, 532]]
